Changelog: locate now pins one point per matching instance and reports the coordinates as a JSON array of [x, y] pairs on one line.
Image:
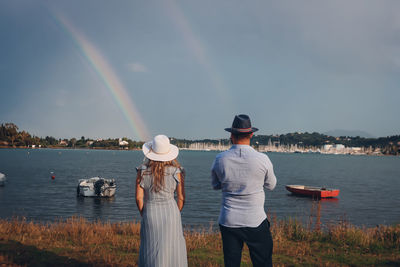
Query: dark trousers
[[258, 240]]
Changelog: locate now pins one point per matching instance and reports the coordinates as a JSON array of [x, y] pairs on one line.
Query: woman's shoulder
[[141, 167], [144, 165], [173, 169]]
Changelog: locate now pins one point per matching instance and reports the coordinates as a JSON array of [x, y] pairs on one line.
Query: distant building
[[123, 142], [339, 147], [356, 150], [63, 143]]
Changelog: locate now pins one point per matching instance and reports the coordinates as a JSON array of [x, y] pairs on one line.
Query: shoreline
[[200, 150], [70, 148]]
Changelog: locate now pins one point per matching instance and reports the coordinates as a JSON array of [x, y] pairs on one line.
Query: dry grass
[[77, 242], [341, 244], [71, 242]]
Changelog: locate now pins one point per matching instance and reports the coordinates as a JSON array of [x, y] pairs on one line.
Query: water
[[368, 186]]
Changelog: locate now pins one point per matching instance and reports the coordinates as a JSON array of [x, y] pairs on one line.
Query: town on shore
[[11, 137], [292, 148]]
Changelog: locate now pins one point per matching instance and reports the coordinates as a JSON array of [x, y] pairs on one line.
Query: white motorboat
[[2, 179], [96, 187]]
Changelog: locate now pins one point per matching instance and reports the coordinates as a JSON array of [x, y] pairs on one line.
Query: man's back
[[242, 173]]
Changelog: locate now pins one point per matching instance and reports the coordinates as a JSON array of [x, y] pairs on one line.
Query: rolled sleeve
[[270, 179], [216, 184]]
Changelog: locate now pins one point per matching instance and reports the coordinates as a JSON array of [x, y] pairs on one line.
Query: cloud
[[337, 36], [137, 67]]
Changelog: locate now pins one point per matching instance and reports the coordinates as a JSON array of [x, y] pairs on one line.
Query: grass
[[77, 242]]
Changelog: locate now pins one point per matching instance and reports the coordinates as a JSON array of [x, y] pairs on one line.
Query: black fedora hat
[[241, 124]]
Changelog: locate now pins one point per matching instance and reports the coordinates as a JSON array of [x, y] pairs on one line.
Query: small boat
[[312, 191], [96, 187], [2, 179]]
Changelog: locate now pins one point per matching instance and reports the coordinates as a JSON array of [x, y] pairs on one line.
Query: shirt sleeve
[[175, 175], [143, 183], [270, 178], [216, 184]]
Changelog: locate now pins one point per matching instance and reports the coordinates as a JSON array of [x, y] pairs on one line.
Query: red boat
[[312, 191]]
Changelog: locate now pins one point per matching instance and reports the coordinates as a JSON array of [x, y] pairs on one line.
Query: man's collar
[[234, 146]]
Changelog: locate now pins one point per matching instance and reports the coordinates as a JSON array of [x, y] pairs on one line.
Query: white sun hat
[[160, 149]]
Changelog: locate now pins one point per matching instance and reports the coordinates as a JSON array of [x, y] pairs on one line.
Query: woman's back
[[166, 192], [162, 241]]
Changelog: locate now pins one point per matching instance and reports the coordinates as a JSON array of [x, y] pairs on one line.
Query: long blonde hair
[[157, 169]]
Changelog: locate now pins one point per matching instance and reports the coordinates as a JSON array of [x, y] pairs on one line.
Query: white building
[[123, 142], [339, 147]]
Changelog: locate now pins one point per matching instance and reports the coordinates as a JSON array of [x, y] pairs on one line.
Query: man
[[242, 173]]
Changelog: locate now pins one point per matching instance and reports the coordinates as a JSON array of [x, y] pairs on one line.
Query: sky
[[101, 69]]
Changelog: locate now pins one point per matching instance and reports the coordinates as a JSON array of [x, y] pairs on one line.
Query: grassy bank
[[77, 242]]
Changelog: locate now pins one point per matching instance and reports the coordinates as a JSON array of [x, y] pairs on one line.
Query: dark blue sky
[[189, 66]]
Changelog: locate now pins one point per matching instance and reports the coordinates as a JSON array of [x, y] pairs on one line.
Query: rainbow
[[107, 76], [195, 45]]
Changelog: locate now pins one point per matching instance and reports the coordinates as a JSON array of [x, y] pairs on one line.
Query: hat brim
[[150, 154], [241, 131]]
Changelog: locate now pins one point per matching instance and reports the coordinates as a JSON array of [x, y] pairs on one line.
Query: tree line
[[10, 136]]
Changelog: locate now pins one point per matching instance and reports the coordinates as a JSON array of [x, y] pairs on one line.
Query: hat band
[[242, 129]]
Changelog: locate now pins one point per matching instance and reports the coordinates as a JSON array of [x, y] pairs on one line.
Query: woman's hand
[[139, 193]]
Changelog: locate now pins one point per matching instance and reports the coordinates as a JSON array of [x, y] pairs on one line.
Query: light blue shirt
[[242, 173]]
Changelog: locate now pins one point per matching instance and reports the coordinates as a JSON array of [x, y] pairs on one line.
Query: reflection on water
[[94, 207], [95, 200], [322, 211], [330, 199]]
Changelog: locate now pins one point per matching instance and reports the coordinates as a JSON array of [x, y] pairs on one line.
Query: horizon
[[137, 69], [333, 133]]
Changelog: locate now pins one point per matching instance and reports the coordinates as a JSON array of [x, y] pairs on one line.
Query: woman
[[161, 237]]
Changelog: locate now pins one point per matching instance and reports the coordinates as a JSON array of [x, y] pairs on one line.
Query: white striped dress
[[161, 237]]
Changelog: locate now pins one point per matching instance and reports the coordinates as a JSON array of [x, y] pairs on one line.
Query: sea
[[369, 187]]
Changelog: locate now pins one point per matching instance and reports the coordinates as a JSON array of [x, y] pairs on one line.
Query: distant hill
[[352, 133]]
